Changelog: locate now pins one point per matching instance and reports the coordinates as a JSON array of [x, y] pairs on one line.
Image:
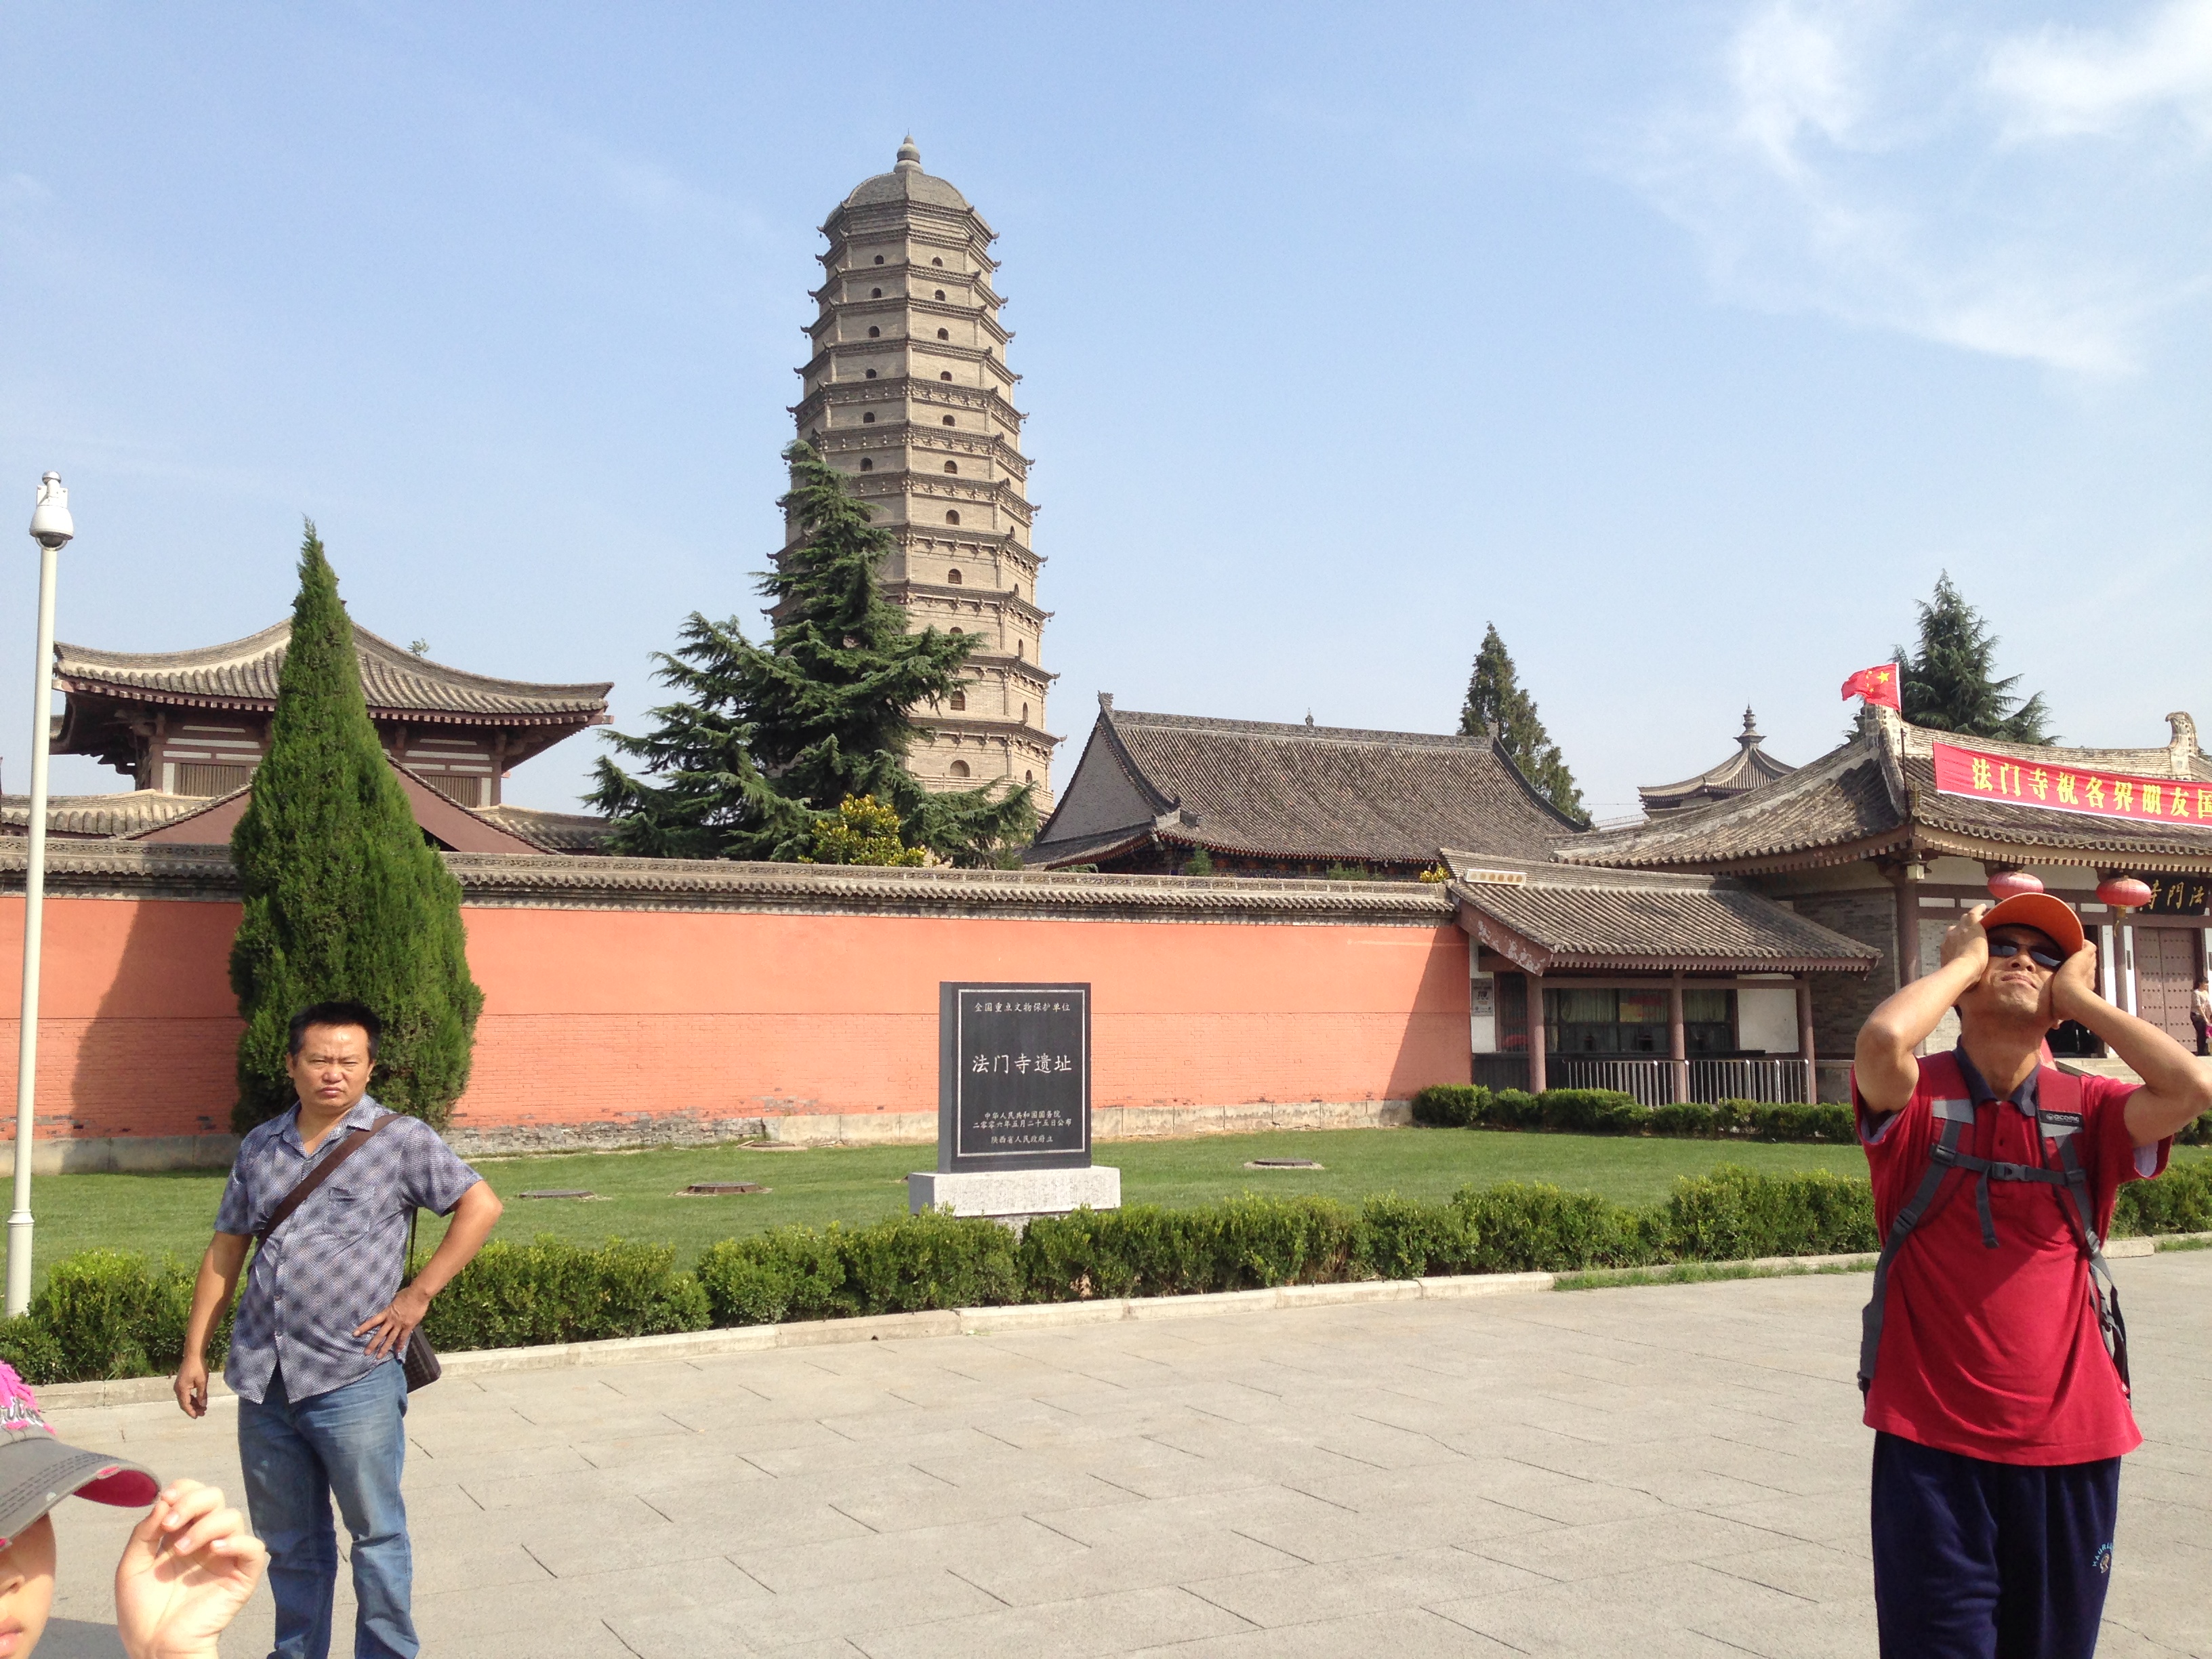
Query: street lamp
[[51, 528]]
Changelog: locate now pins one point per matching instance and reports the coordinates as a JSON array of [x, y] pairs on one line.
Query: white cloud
[[1873, 163], [2061, 84]]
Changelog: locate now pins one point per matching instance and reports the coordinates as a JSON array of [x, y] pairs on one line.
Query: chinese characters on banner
[[2071, 788], [1015, 1088]]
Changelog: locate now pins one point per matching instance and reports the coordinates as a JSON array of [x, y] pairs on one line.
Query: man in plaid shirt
[[315, 1353]]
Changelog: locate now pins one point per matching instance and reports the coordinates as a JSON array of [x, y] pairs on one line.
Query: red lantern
[[2011, 883], [2123, 892]]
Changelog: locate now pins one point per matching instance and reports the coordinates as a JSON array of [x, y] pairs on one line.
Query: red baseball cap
[[2052, 916]]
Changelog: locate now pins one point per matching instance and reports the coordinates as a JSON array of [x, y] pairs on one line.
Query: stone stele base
[[1014, 1195]]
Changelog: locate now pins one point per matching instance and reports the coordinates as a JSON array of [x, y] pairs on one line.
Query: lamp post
[[51, 528]]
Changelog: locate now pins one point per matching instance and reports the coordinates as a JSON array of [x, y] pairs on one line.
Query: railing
[[1652, 1082], [1774, 1080]]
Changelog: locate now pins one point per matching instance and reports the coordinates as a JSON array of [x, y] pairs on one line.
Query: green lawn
[[637, 1190]]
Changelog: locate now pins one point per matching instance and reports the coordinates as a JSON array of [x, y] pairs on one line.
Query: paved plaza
[[1647, 1471]]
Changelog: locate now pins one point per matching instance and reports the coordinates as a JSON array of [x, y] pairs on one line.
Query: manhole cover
[[1282, 1163], [720, 1188], [559, 1192]]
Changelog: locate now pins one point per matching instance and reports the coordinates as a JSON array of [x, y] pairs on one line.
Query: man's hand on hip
[[392, 1327], [191, 1384]]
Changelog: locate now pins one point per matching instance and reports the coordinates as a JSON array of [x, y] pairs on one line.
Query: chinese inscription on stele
[[1013, 1077]]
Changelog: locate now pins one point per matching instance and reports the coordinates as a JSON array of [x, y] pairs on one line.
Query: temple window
[[959, 698], [872, 373], [948, 419], [937, 262], [1025, 714], [954, 578], [879, 259], [940, 293], [875, 333], [952, 466], [960, 769], [945, 374], [952, 518], [956, 630], [944, 333], [875, 294], [866, 465], [1029, 777], [868, 419]]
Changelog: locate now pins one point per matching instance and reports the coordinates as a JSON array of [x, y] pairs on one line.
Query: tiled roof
[[127, 869], [1314, 792], [1577, 917], [1877, 793], [1750, 767], [905, 183], [243, 674], [557, 832], [125, 812]]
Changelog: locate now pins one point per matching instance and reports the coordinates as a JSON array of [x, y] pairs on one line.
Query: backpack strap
[[1957, 1116], [2059, 1118], [355, 1139]]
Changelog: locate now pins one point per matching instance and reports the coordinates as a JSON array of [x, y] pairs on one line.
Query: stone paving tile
[[1098, 1625], [1378, 1478], [1401, 1634], [1408, 1577]]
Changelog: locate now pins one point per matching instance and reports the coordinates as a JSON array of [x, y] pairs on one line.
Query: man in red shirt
[[1994, 1362]]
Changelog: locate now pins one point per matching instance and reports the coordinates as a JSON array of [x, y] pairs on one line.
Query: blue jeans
[[350, 1443]]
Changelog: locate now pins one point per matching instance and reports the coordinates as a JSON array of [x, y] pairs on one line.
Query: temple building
[[189, 728], [1750, 767], [1153, 791], [909, 393]]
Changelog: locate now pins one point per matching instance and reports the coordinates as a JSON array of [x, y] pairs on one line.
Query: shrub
[[2178, 1201], [1687, 1120], [1513, 1109], [922, 1261], [1450, 1105], [1406, 1238], [791, 1273], [1530, 1227], [550, 1290], [31, 1348], [1733, 1213], [113, 1314], [1591, 1111]]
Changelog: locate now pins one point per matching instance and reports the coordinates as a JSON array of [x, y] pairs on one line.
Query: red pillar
[[1536, 1034], [1677, 1041], [1805, 1049]]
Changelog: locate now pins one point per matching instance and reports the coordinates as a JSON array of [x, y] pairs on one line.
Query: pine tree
[[344, 897], [764, 743], [1950, 684], [1494, 697]]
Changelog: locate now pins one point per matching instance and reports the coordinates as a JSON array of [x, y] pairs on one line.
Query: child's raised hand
[[189, 1567]]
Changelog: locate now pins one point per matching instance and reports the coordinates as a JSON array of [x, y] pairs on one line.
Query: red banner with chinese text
[[2070, 788]]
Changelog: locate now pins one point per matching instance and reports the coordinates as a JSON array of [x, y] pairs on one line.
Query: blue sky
[[1687, 343]]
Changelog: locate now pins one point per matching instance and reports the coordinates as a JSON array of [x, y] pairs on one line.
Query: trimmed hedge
[[1609, 1112], [106, 1314]]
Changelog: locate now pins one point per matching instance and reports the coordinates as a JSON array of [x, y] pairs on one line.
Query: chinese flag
[[1876, 685]]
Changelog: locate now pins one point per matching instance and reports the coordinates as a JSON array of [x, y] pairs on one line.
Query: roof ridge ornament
[[908, 156]]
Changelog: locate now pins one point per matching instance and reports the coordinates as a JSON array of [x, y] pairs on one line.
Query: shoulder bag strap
[[355, 1140]]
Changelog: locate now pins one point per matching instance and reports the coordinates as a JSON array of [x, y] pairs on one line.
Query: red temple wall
[[605, 1017]]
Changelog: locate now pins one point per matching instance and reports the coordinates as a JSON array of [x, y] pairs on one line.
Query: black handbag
[[418, 1360]]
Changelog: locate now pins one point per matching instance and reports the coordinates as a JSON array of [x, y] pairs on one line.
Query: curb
[[970, 1321]]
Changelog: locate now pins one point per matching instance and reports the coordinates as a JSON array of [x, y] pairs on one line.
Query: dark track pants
[[1977, 1561]]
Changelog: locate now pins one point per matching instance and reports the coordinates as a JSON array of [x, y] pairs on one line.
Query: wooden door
[[2165, 973]]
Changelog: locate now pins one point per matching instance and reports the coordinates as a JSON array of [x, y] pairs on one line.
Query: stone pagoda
[[908, 393]]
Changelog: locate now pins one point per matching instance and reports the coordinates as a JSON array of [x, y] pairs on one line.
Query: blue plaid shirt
[[336, 1263]]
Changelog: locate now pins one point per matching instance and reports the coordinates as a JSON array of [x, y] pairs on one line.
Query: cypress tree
[[765, 743], [1950, 684], [344, 896], [1495, 697]]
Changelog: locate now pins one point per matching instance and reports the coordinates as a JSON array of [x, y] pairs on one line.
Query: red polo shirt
[[1997, 1354]]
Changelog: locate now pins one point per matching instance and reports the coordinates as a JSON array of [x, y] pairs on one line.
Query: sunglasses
[[2039, 955]]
